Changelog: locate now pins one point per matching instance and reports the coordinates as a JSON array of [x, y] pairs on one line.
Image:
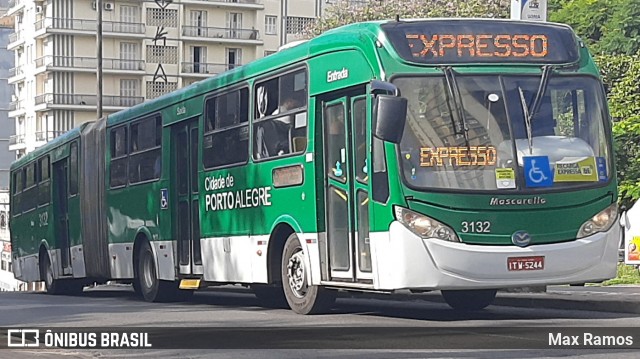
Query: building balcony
[[17, 142], [84, 102], [237, 4], [88, 27], [46, 136], [204, 69], [16, 39], [15, 6], [221, 34], [16, 109], [16, 74], [88, 64]]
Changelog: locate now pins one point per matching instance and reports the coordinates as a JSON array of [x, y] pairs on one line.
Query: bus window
[[145, 154], [118, 167], [45, 183], [280, 127], [360, 122], [73, 170], [29, 201], [226, 138]]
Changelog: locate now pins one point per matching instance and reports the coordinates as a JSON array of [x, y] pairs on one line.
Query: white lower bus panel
[[405, 261]]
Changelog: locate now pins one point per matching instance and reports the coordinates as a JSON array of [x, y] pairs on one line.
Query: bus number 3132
[[476, 227]]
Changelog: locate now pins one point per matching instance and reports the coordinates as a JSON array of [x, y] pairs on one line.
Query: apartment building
[[149, 48]]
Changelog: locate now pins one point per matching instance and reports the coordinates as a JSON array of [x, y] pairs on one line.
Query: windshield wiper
[[529, 112], [460, 125]]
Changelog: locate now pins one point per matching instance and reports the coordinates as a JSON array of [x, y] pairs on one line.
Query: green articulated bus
[[460, 155]]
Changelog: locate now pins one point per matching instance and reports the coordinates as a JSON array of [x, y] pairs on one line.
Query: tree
[[607, 26], [347, 12], [621, 74]]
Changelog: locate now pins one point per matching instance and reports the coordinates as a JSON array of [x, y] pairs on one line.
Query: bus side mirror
[[391, 114]]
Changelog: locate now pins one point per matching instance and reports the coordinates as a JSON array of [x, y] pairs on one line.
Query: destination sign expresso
[[482, 41]]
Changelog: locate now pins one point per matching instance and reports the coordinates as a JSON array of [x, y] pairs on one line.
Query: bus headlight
[[423, 226], [601, 222]]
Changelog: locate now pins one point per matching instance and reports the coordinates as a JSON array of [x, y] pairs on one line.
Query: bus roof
[[49, 146]]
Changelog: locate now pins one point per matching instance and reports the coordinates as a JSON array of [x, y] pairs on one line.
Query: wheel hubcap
[[296, 275], [49, 277], [148, 272]]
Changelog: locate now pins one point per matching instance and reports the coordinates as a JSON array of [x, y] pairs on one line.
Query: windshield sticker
[[602, 169], [537, 171], [458, 156], [505, 178], [576, 169]]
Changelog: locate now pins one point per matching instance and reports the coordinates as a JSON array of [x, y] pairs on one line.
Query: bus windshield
[[466, 138]]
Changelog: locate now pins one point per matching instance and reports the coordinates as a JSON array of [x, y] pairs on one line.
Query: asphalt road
[[118, 307]]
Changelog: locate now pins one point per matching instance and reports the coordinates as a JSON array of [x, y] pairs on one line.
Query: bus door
[[184, 141], [347, 199], [61, 212]]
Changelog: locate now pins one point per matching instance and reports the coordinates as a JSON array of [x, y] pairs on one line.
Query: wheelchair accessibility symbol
[[537, 171], [164, 198]]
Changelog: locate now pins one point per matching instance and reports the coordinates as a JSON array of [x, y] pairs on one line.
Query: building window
[[297, 24], [162, 17], [129, 91], [157, 89], [162, 54], [270, 25], [269, 52]]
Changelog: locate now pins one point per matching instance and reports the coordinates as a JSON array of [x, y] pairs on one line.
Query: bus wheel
[[468, 300], [57, 286], [152, 288], [46, 274], [302, 298]]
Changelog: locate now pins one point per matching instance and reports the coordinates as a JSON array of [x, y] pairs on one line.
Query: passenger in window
[[282, 126]]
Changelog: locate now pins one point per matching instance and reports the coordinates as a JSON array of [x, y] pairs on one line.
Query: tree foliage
[[621, 74], [611, 29], [607, 26], [347, 12]]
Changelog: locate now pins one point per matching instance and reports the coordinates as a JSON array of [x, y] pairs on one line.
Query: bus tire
[[57, 286], [151, 288], [469, 300], [302, 298], [270, 296]]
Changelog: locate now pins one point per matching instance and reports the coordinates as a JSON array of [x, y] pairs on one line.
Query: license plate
[[190, 284], [525, 263]]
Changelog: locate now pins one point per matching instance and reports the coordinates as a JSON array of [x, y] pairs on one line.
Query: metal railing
[[47, 135], [14, 105], [90, 25], [220, 32], [254, 2], [87, 100], [15, 36], [15, 139], [15, 71], [205, 67], [80, 62]]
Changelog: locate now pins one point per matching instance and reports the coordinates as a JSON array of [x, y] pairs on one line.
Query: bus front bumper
[[405, 261]]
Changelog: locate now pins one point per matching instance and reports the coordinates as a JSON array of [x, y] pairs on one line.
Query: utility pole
[[99, 58]]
